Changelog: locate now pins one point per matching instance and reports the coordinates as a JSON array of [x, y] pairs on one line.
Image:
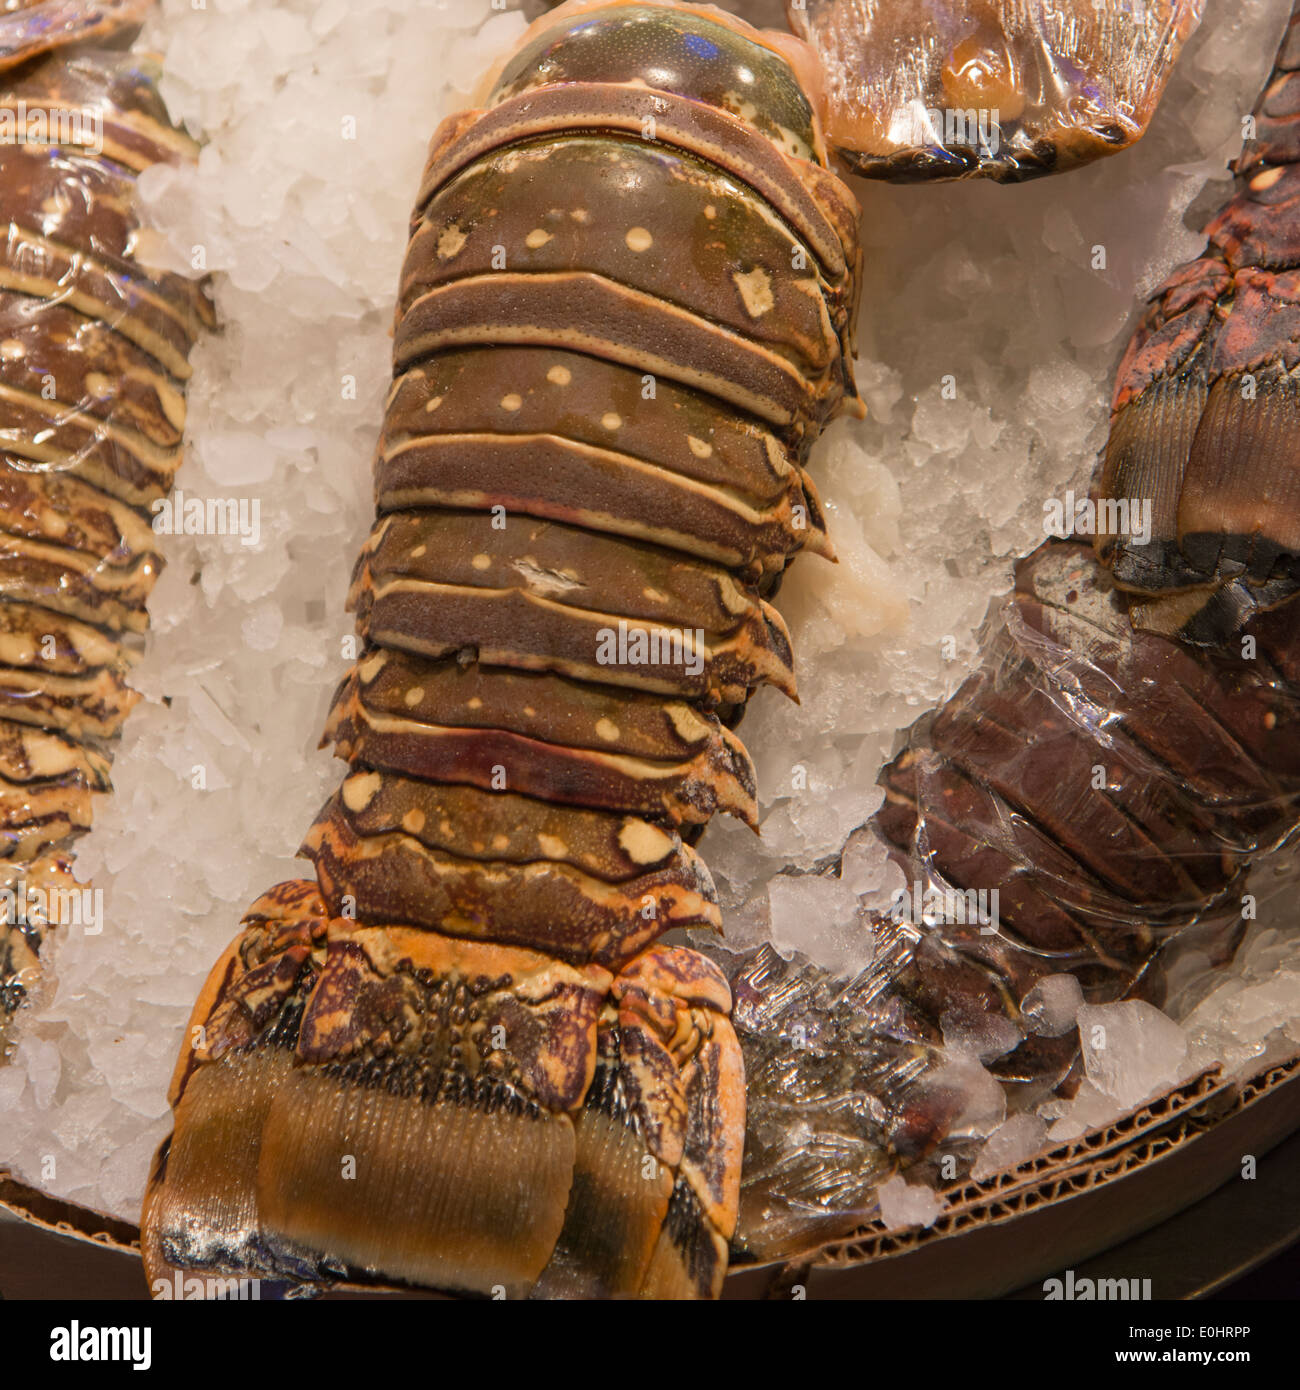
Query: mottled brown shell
[[624, 315]]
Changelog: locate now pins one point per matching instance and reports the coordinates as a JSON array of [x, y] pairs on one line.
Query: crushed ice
[[989, 336]]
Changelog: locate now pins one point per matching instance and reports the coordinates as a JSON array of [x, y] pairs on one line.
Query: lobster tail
[[1102, 845], [1198, 498], [1091, 794], [461, 1058], [94, 348]]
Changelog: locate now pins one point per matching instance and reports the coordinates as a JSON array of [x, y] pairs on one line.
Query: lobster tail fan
[[400, 1105], [406, 1145]]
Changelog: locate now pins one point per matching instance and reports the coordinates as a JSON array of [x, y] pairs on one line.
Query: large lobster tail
[[1198, 500], [459, 1058]]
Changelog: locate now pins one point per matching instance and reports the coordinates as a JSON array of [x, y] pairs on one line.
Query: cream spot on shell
[[501, 842], [644, 843], [710, 212], [11, 350], [608, 730], [414, 695], [511, 402], [433, 404], [361, 790], [551, 846], [413, 820], [580, 215], [755, 291], [18, 651], [536, 239], [473, 702], [482, 562], [1261, 182], [371, 667], [689, 726], [610, 420], [654, 595], [559, 376], [699, 447], [733, 597], [638, 239], [450, 242], [530, 712], [418, 550]]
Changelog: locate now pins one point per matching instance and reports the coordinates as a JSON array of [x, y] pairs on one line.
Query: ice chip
[[1130, 1050], [904, 1204], [1050, 1007], [1021, 1137]]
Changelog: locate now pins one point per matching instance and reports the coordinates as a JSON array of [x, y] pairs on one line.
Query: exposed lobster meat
[[93, 362], [458, 1058]]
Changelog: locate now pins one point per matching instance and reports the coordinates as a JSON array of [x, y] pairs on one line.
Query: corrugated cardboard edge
[[1145, 1146], [66, 1218], [1143, 1139]]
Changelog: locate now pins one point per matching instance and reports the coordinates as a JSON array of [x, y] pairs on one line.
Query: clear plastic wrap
[[31, 27], [1089, 799], [93, 362], [1003, 89]]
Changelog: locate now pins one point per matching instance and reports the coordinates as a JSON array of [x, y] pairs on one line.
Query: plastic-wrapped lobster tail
[[94, 350], [1127, 748], [458, 1058]]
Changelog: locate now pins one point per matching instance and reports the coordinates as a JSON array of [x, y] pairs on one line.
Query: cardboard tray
[[1004, 1234]]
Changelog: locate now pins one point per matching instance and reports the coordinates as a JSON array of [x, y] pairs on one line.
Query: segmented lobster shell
[[1203, 421], [624, 315], [94, 350], [1111, 787]]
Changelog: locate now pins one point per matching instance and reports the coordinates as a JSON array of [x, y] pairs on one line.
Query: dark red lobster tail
[[1205, 413]]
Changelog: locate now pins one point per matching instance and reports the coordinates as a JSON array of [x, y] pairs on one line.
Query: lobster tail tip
[[316, 1174], [389, 1104]]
